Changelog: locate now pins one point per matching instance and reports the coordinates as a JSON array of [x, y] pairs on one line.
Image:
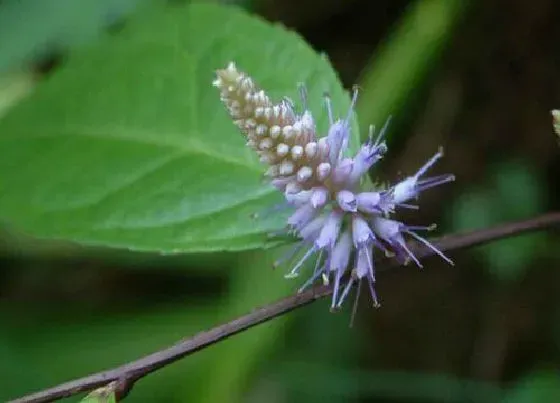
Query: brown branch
[[126, 375]]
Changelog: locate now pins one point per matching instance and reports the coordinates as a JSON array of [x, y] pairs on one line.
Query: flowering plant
[[334, 218]]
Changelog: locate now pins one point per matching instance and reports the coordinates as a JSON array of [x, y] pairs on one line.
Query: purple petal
[[340, 256], [299, 199], [337, 139], [319, 197], [342, 171], [368, 202], [347, 201], [361, 232], [302, 216], [329, 232]]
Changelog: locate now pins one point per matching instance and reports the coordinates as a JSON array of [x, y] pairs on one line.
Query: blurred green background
[[477, 77]]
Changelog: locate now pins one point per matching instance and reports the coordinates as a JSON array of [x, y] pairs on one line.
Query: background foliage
[[125, 196]]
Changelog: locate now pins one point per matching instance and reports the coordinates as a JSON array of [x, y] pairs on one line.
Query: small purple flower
[[339, 131], [364, 269], [339, 260], [369, 153], [412, 186], [337, 139], [393, 233]]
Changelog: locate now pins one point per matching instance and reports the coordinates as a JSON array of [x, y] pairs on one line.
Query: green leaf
[[52, 25], [105, 394], [127, 145]]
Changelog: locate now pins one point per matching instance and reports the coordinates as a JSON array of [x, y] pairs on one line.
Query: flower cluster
[[336, 222]]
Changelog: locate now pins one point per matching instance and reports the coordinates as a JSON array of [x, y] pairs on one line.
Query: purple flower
[[342, 227], [339, 260], [369, 153], [393, 233], [338, 224], [412, 186], [339, 131]]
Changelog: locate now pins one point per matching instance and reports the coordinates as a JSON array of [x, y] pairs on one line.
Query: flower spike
[[338, 224]]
